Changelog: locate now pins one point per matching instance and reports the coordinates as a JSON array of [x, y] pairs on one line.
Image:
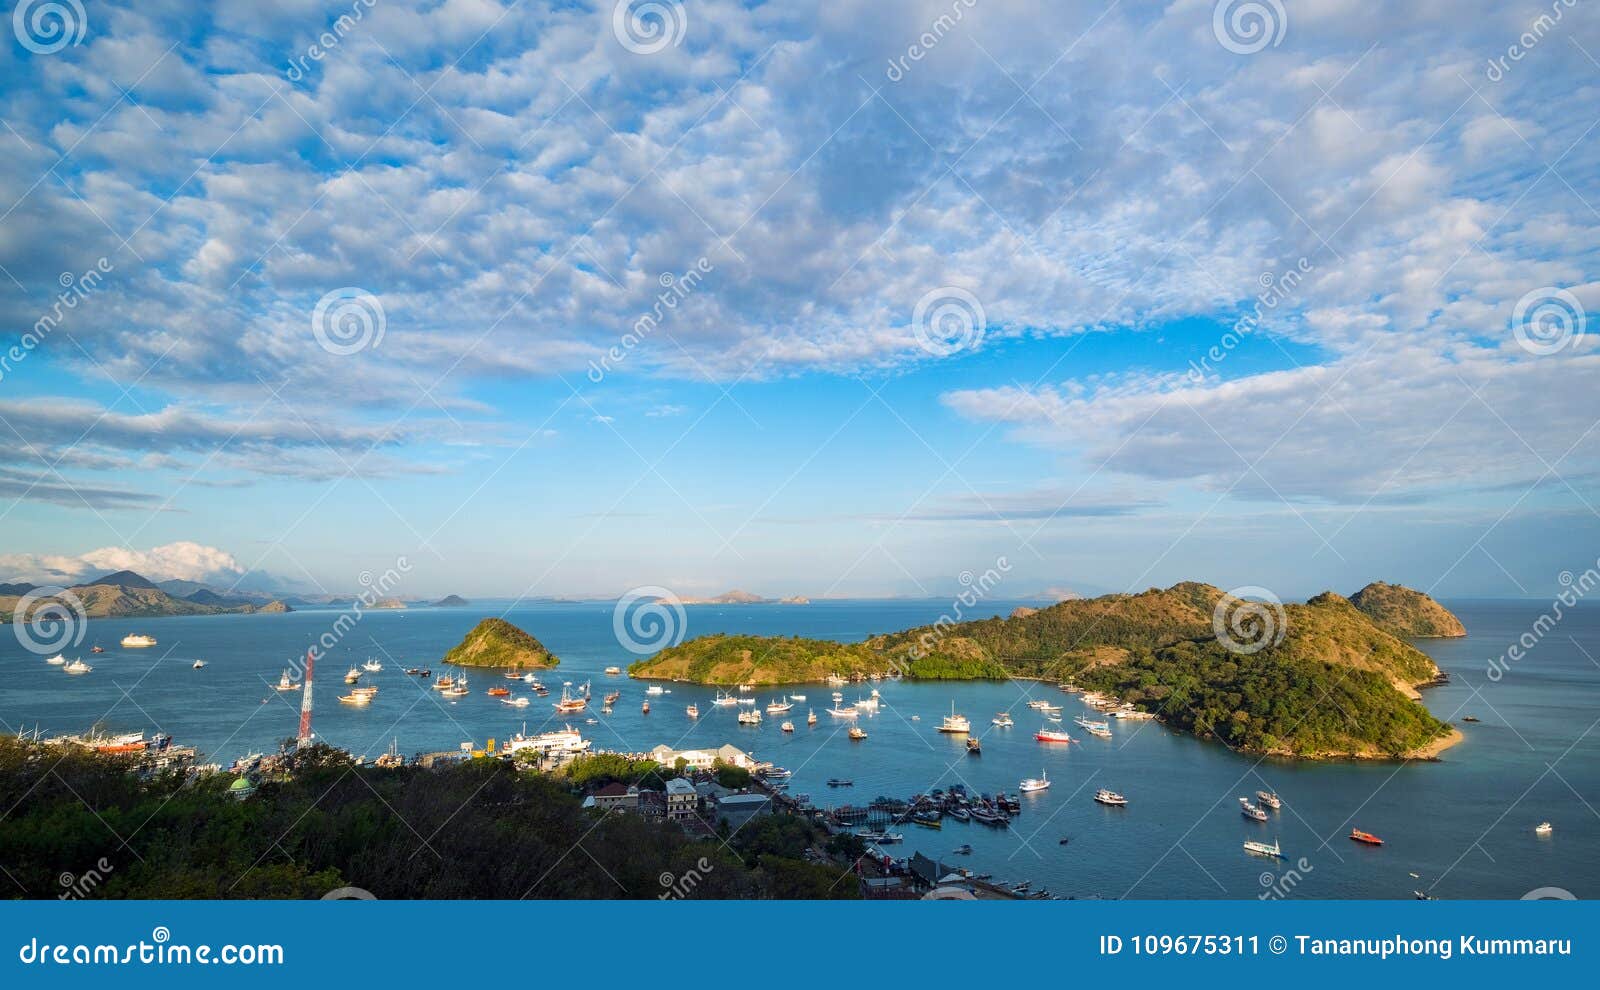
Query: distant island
[[451, 601], [127, 594], [1336, 681], [498, 643], [388, 603], [737, 597]]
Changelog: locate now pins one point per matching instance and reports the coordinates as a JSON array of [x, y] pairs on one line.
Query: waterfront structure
[[703, 759]]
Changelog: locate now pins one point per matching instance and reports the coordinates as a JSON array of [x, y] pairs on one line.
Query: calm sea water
[[1464, 826]]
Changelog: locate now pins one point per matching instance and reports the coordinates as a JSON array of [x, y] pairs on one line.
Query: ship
[[751, 717], [724, 698], [1003, 720], [1110, 797], [954, 723], [779, 707], [811, 716], [566, 741], [134, 641], [77, 667], [1262, 849], [1270, 800], [1250, 811], [1039, 783], [1049, 735], [570, 703]]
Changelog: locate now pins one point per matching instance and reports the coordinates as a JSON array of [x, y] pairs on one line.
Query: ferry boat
[[811, 716], [974, 746], [569, 702], [1049, 735], [1250, 811], [857, 732], [520, 701], [955, 723], [693, 711], [1003, 720], [77, 667], [723, 698], [1366, 837], [779, 707], [1110, 797], [1039, 783], [286, 682], [1262, 849], [135, 641], [353, 675], [57, 660], [613, 671], [372, 666], [751, 717], [1270, 800], [566, 741], [1543, 828]]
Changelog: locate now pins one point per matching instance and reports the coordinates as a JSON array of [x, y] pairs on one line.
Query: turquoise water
[[1463, 824]]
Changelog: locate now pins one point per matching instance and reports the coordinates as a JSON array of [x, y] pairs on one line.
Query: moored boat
[[1049, 735], [1003, 720], [77, 667], [1365, 837], [1543, 828], [1110, 797], [973, 746], [1270, 800], [857, 732], [1039, 783], [58, 660], [693, 711], [1262, 849], [135, 641], [287, 682], [787, 727], [953, 723]]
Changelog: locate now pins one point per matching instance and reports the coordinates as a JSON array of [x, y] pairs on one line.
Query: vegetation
[[498, 643], [476, 830], [599, 769], [732, 777], [1405, 612], [772, 660]]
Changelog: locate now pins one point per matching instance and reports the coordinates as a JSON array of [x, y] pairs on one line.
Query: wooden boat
[[693, 711], [811, 717], [644, 709], [499, 692], [354, 699], [787, 726], [1110, 797], [857, 732], [973, 746]]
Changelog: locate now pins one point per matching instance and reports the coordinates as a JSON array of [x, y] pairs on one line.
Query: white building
[[682, 800], [702, 759]]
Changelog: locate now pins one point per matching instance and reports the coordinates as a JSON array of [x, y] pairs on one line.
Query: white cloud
[[182, 560]]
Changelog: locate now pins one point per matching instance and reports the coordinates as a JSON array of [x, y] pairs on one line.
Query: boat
[[811, 716], [834, 680], [1110, 797], [1044, 706], [857, 732], [787, 727], [532, 680], [520, 701], [613, 671], [499, 692], [198, 664], [779, 707], [611, 697], [1049, 735], [655, 689], [368, 691], [846, 712], [77, 667], [570, 703], [927, 819], [97, 648], [444, 683], [959, 813], [644, 709], [1423, 895], [1039, 783], [837, 782], [56, 660], [1262, 849], [868, 704], [286, 682], [510, 675], [797, 697], [355, 699], [353, 675], [774, 773], [1543, 828], [882, 838], [724, 698], [1003, 720], [372, 666], [954, 723], [751, 717], [973, 746], [1270, 800], [693, 711], [418, 671], [134, 641], [1365, 837], [566, 741], [745, 689], [1470, 718], [458, 689], [962, 850], [745, 701], [1250, 811]]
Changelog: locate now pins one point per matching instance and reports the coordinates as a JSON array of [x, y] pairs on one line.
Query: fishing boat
[[787, 727], [372, 666], [286, 682], [837, 782], [569, 702], [1110, 797], [444, 683], [723, 698], [959, 813], [57, 660], [644, 709], [846, 712], [520, 701], [1365, 837], [693, 711], [353, 675], [1262, 849], [198, 664], [857, 732], [882, 838], [1049, 735], [1543, 828], [134, 641], [355, 699], [955, 723], [499, 692], [613, 671], [779, 707], [1250, 811], [611, 698], [77, 667], [973, 746], [751, 717], [1039, 783], [1270, 800], [927, 819], [458, 689], [1003, 720]]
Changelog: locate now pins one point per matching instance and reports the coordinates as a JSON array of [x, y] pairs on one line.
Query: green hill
[[1405, 612], [770, 660], [498, 643]]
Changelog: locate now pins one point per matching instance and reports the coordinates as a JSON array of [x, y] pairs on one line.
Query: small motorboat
[[97, 648], [973, 746], [857, 733], [198, 664], [787, 727], [962, 850], [1470, 718], [1543, 828], [613, 671], [797, 697], [1365, 837], [644, 709], [77, 667], [655, 689], [58, 660], [927, 819], [1039, 783], [693, 711], [520, 701]]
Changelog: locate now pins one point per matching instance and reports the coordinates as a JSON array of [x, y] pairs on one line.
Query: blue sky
[[290, 293]]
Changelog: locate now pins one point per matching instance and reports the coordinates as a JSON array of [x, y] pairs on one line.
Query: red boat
[[1052, 736], [1367, 837], [498, 692]]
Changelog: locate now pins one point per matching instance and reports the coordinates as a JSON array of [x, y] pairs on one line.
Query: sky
[[827, 299]]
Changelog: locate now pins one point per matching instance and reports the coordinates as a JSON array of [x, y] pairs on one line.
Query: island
[[498, 643], [451, 601], [1327, 679], [388, 603]]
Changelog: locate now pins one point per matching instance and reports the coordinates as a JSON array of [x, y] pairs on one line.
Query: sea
[[1460, 827]]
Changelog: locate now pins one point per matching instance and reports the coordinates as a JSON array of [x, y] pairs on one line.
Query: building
[[702, 759], [737, 809], [682, 800], [613, 797]]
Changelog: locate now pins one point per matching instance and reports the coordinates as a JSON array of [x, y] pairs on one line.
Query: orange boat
[[499, 692], [1367, 837]]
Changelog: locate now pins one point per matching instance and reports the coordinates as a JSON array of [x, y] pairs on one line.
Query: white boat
[[867, 705], [745, 688], [520, 701], [529, 679], [1250, 811], [1270, 800], [723, 698], [613, 671], [563, 742], [955, 723], [198, 664], [847, 712], [751, 717], [352, 675], [77, 667], [797, 697], [286, 682], [787, 726], [134, 641], [745, 701], [1105, 796], [372, 666], [1543, 828], [1003, 720], [834, 680], [811, 716], [1101, 729], [570, 703], [1039, 783], [1262, 849], [655, 689], [57, 660], [779, 707], [693, 711]]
